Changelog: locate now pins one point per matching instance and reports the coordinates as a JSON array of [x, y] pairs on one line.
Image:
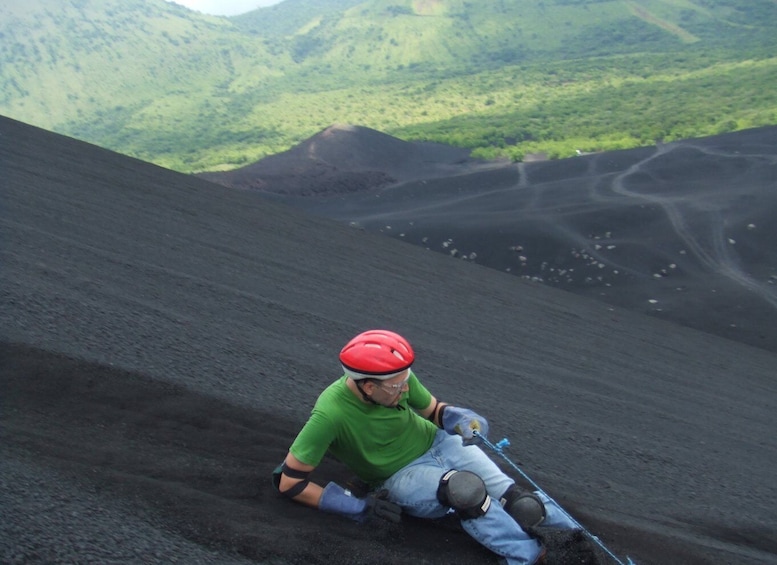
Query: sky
[[225, 7]]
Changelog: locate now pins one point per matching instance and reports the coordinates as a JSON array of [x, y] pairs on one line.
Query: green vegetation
[[587, 109], [502, 77]]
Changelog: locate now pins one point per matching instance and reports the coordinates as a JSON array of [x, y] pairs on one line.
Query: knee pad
[[465, 492], [525, 507]]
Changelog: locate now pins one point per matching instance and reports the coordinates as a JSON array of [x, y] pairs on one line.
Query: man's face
[[389, 392]]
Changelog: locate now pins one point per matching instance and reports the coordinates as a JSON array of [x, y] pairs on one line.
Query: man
[[387, 428]]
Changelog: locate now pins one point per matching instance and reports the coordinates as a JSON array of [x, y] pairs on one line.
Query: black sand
[[682, 231], [164, 337]]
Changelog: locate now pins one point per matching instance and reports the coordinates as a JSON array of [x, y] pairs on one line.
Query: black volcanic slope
[[163, 338], [346, 159], [683, 231]]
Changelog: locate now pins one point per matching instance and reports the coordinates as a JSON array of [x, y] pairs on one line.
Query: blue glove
[[337, 500], [463, 422]]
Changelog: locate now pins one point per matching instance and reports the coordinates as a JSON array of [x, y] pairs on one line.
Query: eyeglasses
[[395, 388]]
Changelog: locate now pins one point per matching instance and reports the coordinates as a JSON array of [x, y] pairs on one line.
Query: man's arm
[[432, 412], [310, 494], [455, 420], [332, 498]]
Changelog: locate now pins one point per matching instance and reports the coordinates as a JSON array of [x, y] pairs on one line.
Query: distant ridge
[[344, 159]]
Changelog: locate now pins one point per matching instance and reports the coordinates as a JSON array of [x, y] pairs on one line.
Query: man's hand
[[379, 505], [337, 500], [464, 422]]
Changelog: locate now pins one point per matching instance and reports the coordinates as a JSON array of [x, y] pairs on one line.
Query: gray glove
[[379, 505], [464, 422]]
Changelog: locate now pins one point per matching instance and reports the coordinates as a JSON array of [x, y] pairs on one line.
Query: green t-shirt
[[373, 441]]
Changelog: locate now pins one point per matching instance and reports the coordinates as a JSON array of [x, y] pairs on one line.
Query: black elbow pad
[[292, 473]]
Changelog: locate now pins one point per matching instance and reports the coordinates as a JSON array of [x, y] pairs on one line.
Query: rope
[[498, 448]]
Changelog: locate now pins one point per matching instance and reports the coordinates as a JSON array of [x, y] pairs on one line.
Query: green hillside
[[504, 77]]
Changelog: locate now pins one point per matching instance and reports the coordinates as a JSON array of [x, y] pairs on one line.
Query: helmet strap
[[364, 394], [371, 401]]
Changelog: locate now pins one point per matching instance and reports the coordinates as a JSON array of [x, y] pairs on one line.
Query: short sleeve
[[418, 397], [313, 440]]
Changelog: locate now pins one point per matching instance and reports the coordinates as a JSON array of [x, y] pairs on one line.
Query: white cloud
[[225, 7]]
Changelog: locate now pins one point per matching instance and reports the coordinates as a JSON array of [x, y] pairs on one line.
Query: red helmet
[[376, 354]]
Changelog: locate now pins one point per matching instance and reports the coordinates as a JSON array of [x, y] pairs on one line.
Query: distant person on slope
[[415, 453]]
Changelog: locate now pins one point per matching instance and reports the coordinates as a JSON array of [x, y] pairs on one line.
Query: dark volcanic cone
[[344, 159]]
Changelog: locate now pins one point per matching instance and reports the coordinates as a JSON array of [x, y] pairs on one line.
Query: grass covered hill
[[503, 77]]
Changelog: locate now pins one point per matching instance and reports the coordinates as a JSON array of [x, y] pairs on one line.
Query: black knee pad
[[465, 492], [525, 507]]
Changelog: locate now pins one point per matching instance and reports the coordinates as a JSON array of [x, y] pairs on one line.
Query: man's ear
[[368, 386]]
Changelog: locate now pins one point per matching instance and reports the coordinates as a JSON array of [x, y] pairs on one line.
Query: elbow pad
[[292, 473]]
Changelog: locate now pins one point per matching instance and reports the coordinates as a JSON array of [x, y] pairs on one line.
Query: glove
[[379, 505], [336, 500], [463, 422]]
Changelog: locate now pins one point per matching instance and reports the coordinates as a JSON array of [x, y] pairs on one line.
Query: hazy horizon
[[225, 7]]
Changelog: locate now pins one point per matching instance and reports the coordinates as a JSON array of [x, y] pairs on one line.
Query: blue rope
[[498, 448]]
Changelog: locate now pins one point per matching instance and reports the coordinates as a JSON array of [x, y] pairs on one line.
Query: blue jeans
[[414, 488]]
